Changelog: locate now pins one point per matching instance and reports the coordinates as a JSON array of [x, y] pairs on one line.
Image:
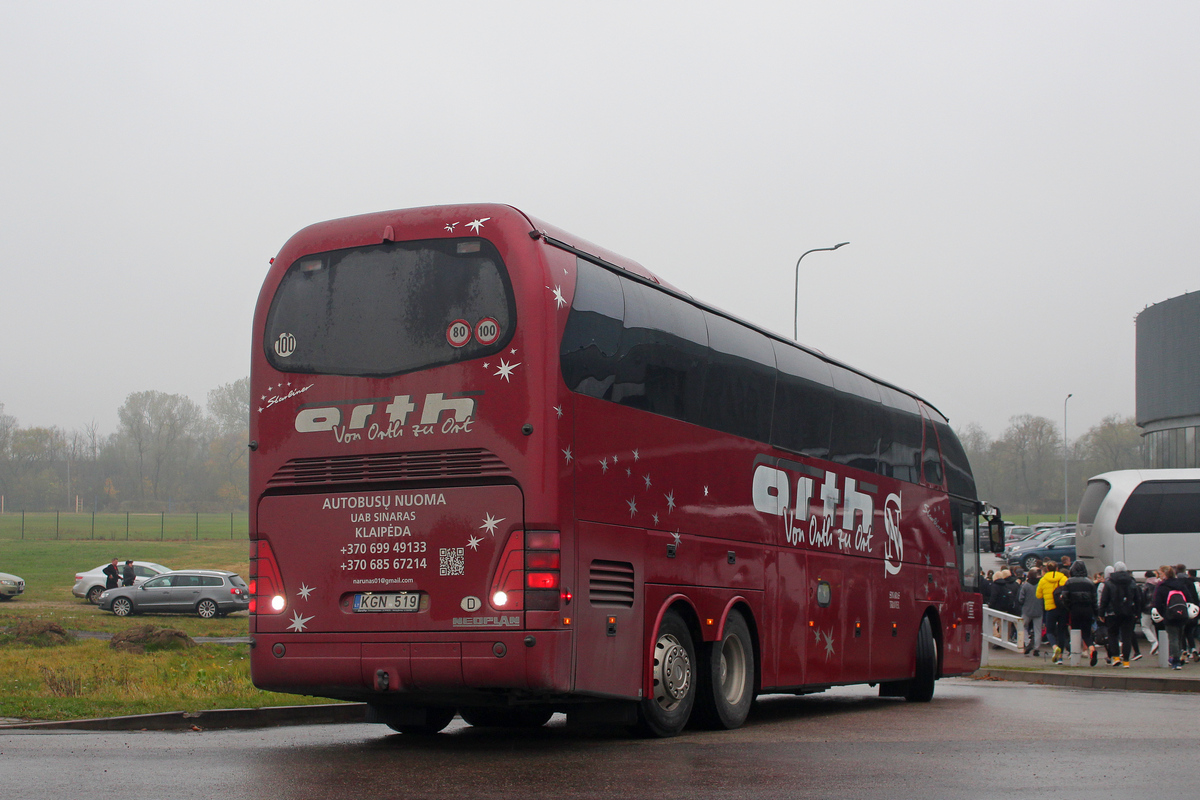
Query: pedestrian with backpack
[[1079, 594], [1053, 614], [1171, 607], [1120, 605]]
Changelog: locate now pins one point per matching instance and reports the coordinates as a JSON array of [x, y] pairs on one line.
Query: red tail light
[[543, 560], [267, 594]]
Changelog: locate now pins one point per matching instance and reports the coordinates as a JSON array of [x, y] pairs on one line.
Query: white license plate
[[387, 601]]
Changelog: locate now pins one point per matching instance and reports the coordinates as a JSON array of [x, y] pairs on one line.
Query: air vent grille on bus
[[390, 468], [611, 584]]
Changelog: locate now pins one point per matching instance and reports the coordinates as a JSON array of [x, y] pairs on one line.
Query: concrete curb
[[219, 719], [1090, 680]]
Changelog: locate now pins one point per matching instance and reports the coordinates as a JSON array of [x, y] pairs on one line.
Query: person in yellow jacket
[[1055, 617]]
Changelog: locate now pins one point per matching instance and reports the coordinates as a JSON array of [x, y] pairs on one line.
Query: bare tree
[[1113, 444], [158, 428], [1028, 460]]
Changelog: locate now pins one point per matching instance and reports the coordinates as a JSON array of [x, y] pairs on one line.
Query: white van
[[1144, 517]]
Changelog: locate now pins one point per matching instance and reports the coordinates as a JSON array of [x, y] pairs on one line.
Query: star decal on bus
[[828, 644], [628, 472], [559, 300], [473, 542], [490, 523], [476, 224], [636, 456], [706, 491], [632, 503], [567, 454], [604, 465], [305, 591], [654, 516], [450, 226], [670, 500], [676, 535], [646, 478], [505, 370], [558, 411], [298, 622]]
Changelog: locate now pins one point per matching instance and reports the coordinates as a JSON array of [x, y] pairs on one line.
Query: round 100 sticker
[[459, 333], [487, 331]]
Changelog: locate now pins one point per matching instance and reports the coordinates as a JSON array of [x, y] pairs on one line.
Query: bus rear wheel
[[920, 688], [727, 676], [673, 679]]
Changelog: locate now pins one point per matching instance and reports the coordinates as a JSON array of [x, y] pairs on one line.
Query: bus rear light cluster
[[543, 579], [529, 575], [267, 595]]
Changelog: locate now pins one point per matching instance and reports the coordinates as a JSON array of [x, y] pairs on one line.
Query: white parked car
[[10, 586], [91, 583]]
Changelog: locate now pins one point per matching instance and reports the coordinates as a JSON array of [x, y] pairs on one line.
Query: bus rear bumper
[[334, 665]]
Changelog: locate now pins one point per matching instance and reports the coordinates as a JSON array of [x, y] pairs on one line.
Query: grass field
[[85, 678], [26, 526]]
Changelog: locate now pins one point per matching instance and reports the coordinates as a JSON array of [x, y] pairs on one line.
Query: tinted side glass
[[158, 583], [803, 402], [859, 422], [931, 462], [662, 357], [211, 580], [1093, 496], [1162, 507], [959, 479], [236, 580], [592, 335], [740, 384], [904, 455]]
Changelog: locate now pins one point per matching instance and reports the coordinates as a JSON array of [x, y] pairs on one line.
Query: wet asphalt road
[[976, 739]]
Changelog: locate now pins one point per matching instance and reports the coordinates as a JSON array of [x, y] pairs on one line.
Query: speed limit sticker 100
[[487, 331]]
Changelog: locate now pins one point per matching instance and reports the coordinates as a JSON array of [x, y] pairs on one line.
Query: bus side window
[[592, 335], [739, 387], [663, 355], [931, 464], [803, 411]]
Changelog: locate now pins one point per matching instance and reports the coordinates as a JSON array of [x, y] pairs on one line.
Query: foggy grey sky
[[1017, 180]]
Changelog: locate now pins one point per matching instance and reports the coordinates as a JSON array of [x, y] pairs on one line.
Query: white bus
[[1146, 518]]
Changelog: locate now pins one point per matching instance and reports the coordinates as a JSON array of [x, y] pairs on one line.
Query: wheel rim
[[672, 672], [121, 608], [732, 670], [207, 609]]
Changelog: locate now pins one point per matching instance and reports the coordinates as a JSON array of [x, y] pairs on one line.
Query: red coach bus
[[500, 471]]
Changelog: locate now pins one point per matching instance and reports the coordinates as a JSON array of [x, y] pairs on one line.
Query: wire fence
[[49, 525]]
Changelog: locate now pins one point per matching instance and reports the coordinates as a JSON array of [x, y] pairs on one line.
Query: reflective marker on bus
[[499, 471]]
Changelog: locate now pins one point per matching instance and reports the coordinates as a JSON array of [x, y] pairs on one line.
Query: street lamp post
[[796, 316], [1065, 451]]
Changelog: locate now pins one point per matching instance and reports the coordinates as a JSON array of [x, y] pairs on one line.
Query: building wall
[[1168, 382]]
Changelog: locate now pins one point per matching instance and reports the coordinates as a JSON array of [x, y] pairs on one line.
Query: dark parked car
[[206, 592], [1053, 549]]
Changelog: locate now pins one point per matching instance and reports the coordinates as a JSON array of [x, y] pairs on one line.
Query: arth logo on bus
[[362, 416]]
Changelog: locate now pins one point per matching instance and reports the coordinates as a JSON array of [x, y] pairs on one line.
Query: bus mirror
[[996, 533]]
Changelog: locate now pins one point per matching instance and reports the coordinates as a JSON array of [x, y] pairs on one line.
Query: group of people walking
[[115, 576], [1104, 608]]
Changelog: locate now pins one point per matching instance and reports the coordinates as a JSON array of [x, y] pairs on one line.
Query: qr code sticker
[[453, 561]]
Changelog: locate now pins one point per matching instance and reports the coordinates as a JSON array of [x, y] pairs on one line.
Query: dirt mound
[[150, 637], [38, 633]]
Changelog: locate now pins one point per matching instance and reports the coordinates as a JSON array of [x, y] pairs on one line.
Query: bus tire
[[521, 717], [920, 688], [726, 679], [435, 720], [672, 679]]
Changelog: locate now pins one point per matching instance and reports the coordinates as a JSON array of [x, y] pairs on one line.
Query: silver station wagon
[[207, 593]]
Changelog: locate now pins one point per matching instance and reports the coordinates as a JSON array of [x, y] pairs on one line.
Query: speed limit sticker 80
[[459, 333]]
